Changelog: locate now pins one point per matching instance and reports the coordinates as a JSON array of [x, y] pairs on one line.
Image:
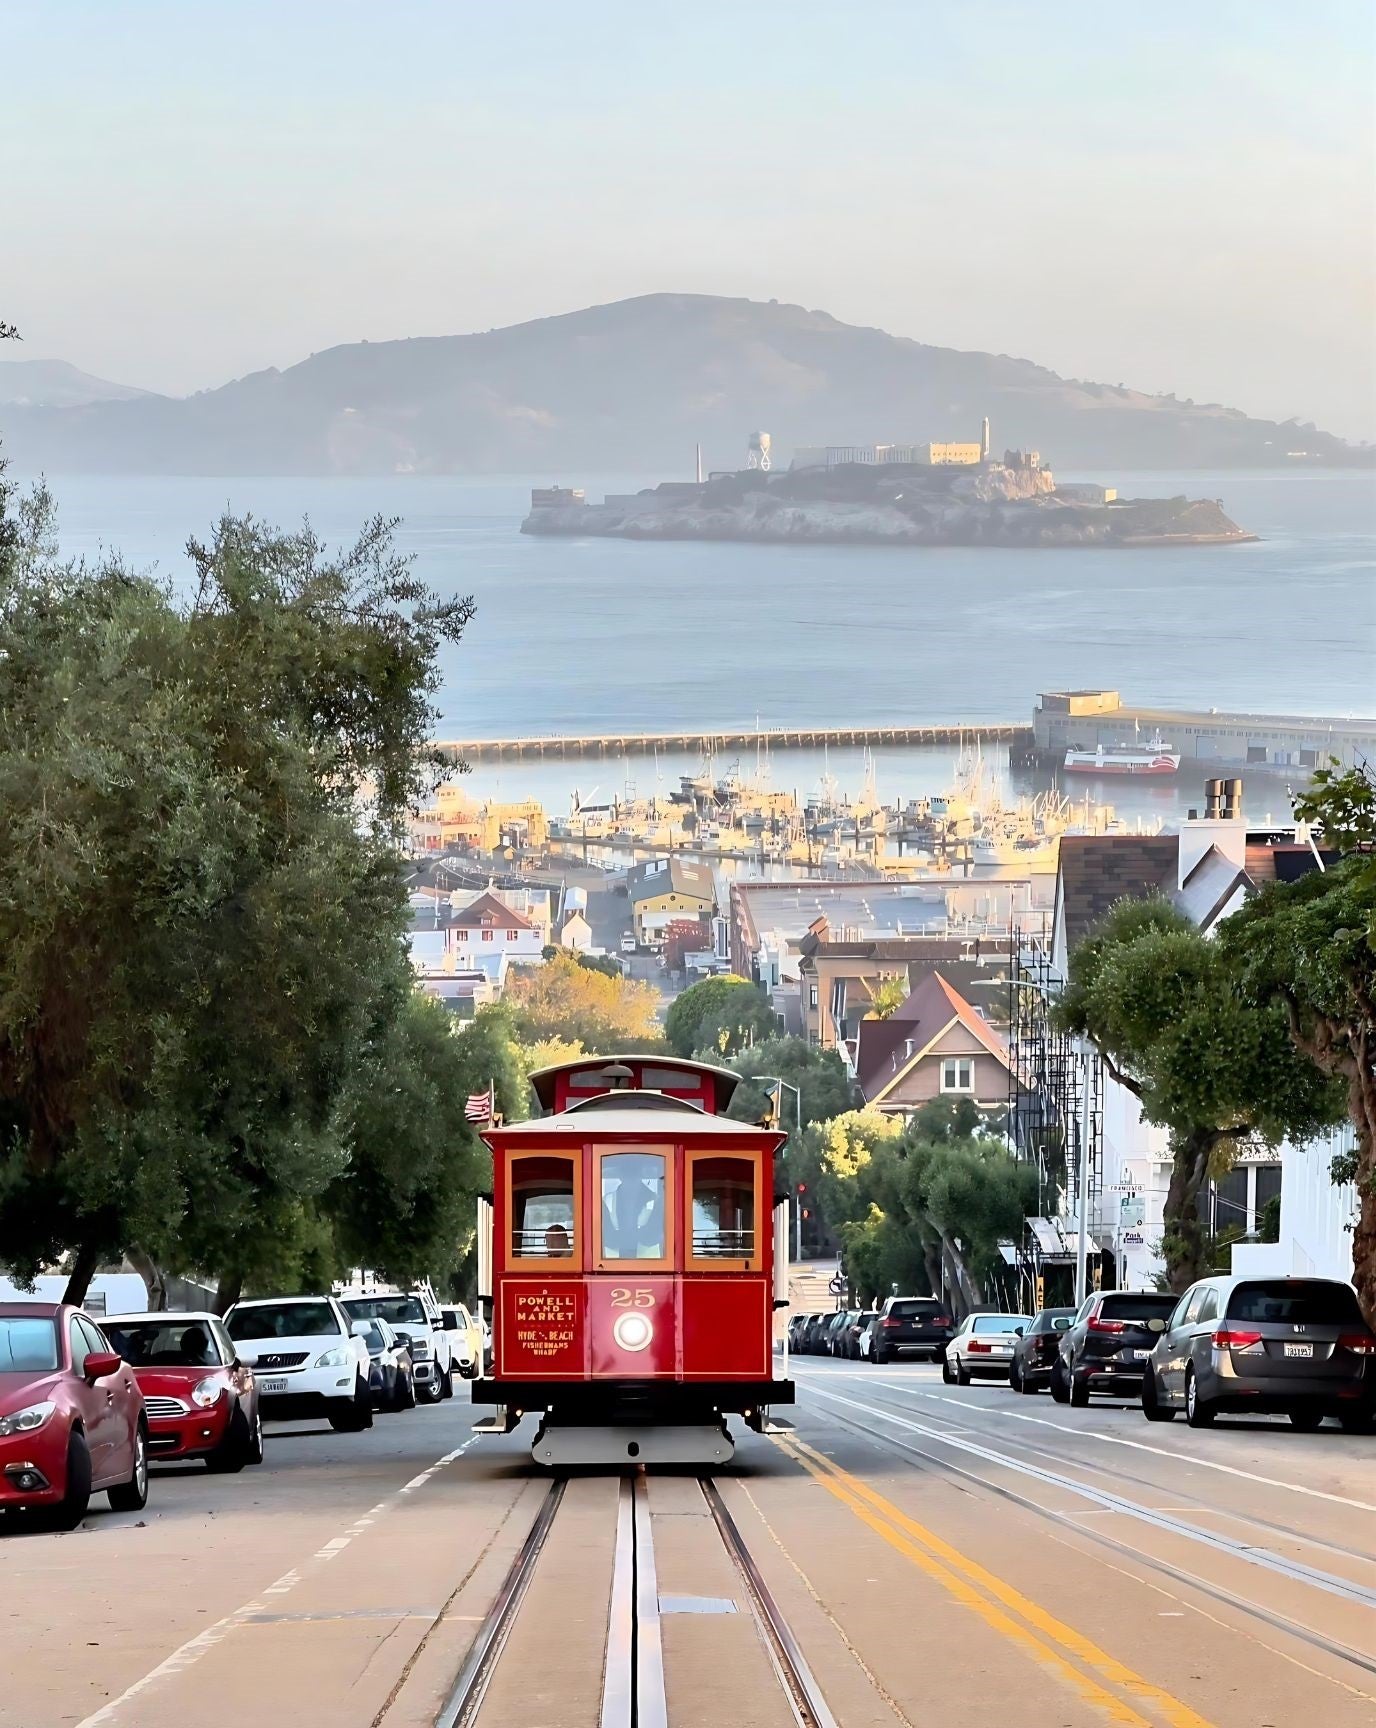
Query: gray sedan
[[1289, 1346]]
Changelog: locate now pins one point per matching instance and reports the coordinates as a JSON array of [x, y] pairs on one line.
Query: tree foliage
[[1160, 1002], [201, 905], [824, 1087], [1305, 953], [567, 1000], [719, 1017]]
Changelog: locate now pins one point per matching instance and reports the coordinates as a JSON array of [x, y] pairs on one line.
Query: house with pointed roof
[[934, 1045]]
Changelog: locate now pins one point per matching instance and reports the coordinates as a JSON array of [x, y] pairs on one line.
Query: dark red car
[[71, 1416], [201, 1401]]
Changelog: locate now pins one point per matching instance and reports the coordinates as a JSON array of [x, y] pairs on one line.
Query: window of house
[[511, 935], [632, 1190], [487, 935], [722, 1207], [958, 1074], [543, 1213], [812, 996]]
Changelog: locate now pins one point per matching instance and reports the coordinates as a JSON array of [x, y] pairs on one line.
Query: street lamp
[[775, 1080]]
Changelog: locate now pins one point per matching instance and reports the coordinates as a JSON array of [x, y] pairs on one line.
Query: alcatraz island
[[886, 494]]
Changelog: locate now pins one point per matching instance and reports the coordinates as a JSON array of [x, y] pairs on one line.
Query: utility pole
[[1086, 1115], [774, 1080]]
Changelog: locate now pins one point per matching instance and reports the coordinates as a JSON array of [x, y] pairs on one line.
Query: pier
[[746, 738]]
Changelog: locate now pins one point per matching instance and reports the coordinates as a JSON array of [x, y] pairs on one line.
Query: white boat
[[1153, 757]]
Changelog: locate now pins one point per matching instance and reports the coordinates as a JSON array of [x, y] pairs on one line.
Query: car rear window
[[28, 1345], [915, 1310], [284, 1320], [1138, 1305], [400, 1310], [1296, 1302], [164, 1343], [998, 1322]]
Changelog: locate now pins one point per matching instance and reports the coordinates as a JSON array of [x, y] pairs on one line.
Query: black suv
[[911, 1326], [1108, 1346]]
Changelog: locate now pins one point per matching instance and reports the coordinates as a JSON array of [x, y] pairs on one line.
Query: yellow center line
[[965, 1578]]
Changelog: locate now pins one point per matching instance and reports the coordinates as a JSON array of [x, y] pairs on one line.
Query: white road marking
[[1141, 1446], [191, 1652]]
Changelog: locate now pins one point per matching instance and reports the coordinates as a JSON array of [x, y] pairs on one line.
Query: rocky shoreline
[[994, 507]]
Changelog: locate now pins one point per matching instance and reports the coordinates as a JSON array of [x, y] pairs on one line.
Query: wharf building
[[1086, 719]]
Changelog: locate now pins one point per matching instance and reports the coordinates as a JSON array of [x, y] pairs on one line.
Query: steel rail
[[800, 1686], [467, 1693]]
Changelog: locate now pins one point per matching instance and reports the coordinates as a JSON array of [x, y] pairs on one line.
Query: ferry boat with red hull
[[1153, 757]]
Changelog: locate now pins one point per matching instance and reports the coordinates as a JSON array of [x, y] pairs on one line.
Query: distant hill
[[55, 384], [632, 387]]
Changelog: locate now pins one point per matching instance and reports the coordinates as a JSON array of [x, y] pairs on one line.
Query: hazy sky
[[1175, 196]]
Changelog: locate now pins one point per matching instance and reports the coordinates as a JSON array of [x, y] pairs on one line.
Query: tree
[[201, 903], [825, 1089], [563, 999], [886, 998], [1305, 952], [1161, 1004], [719, 1017]]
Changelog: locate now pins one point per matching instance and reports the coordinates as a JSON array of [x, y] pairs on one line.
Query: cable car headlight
[[632, 1331]]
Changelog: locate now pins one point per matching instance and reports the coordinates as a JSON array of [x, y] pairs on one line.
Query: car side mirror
[[1019, 1330], [100, 1363]]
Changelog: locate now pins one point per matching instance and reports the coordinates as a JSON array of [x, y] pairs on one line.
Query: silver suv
[[1297, 1347]]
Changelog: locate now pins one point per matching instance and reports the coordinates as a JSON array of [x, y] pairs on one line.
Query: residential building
[[935, 1045], [666, 889], [445, 939], [456, 822], [576, 933], [462, 993]]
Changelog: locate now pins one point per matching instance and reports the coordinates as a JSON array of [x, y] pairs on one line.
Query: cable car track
[[634, 1693]]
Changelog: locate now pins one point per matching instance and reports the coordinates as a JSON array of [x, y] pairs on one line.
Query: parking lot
[[954, 1555]]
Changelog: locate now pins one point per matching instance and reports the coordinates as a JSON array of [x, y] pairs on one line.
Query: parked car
[[797, 1325], [867, 1336], [201, 1401], [814, 1332], [1035, 1352], [628, 942], [836, 1332], [418, 1319], [305, 1359], [911, 1326], [858, 1324], [391, 1376], [465, 1339], [982, 1344], [71, 1416], [1283, 1346], [1106, 1347]]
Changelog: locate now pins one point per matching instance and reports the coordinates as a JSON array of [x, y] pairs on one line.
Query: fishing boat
[[1155, 756]]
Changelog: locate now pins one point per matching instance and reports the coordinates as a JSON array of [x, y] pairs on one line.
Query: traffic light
[[802, 1187]]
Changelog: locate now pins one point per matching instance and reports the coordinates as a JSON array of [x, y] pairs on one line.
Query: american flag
[[479, 1106]]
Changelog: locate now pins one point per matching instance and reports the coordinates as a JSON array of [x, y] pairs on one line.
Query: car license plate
[[1299, 1349], [1135, 1355], [1003, 1349], [270, 1385]]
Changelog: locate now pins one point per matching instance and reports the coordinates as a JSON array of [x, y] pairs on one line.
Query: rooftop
[[885, 908], [885, 1046], [1098, 870]]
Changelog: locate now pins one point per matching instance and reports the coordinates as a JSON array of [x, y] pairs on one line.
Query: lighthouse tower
[[984, 440]]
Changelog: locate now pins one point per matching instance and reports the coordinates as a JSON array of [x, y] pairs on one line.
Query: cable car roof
[[726, 1079]]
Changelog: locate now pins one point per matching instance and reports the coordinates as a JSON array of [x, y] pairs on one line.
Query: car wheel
[[1306, 1420], [1358, 1421], [879, 1357], [1014, 1376], [948, 1372], [132, 1496], [1079, 1391], [256, 1449], [447, 1382], [1199, 1412], [1059, 1390], [1026, 1385], [962, 1373], [1152, 1407], [354, 1416], [76, 1496], [231, 1455]]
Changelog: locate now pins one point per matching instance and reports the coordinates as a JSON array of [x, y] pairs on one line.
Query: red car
[[71, 1416], [199, 1398]]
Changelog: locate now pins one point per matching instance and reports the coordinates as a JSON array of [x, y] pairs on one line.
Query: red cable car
[[633, 1255]]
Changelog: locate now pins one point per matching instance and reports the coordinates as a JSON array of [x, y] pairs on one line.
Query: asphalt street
[[943, 1556]]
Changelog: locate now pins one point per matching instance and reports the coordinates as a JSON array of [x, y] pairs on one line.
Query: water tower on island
[[757, 450]]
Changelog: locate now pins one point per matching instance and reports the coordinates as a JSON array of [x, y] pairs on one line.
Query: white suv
[[305, 1359], [416, 1315]]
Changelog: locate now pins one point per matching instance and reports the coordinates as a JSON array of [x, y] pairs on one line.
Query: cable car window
[[723, 1208], [542, 1210], [633, 1187]]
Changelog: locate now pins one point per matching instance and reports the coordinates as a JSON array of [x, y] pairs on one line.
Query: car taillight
[[978, 1349], [1361, 1343], [1098, 1325], [892, 1322], [1230, 1338], [941, 1320]]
